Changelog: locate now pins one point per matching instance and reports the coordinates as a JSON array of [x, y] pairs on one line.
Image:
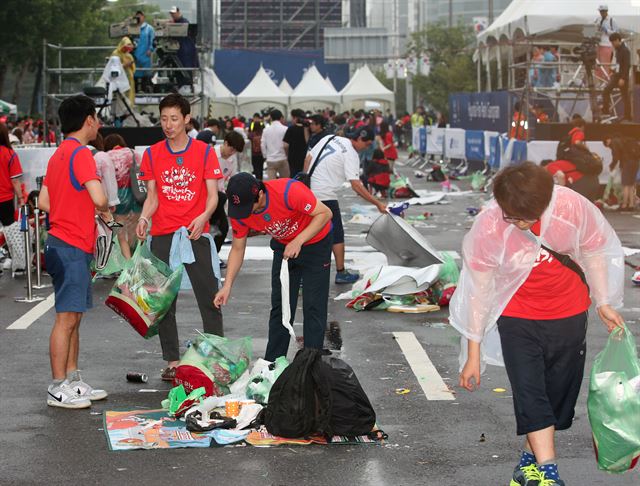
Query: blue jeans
[[313, 266]]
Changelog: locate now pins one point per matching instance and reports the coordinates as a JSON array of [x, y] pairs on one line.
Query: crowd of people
[[292, 195]]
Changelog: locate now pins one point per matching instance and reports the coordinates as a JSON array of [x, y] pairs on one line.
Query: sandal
[[168, 374]]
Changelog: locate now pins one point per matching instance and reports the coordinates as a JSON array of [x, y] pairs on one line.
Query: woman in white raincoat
[[521, 301]]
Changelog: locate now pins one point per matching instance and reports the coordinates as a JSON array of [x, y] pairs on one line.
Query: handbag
[[305, 177], [138, 187]]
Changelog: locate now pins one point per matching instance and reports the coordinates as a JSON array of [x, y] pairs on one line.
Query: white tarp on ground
[[285, 87], [564, 19], [365, 86], [262, 89], [313, 87]]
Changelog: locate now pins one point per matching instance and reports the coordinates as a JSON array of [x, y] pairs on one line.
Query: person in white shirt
[[273, 148], [227, 154], [606, 26], [338, 162]]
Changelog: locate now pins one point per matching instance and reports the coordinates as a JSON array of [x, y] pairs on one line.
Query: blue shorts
[[336, 221], [70, 272]]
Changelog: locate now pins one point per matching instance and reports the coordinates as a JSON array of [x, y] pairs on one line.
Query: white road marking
[[33, 314], [428, 377]]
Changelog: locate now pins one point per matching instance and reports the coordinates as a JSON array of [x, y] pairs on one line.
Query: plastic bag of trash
[[478, 181], [614, 403], [115, 263], [144, 291], [214, 363], [263, 376], [178, 402]]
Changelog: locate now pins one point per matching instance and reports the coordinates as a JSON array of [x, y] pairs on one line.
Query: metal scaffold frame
[[94, 73]]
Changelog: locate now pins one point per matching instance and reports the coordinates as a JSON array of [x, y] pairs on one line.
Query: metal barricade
[[24, 227]]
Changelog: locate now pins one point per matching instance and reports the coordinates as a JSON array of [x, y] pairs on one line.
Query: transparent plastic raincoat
[[498, 257]]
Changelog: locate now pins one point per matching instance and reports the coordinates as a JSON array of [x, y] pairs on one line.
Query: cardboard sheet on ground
[[402, 244], [149, 429], [154, 429], [262, 438]]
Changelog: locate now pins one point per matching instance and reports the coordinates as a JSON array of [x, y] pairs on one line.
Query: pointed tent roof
[[558, 20], [365, 86], [313, 87], [328, 80], [215, 89], [262, 88], [285, 87]]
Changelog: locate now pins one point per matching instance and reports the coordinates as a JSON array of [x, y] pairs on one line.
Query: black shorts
[[629, 172], [545, 364], [7, 213], [336, 221]]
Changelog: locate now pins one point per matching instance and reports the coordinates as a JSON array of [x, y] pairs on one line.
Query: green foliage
[[452, 68]]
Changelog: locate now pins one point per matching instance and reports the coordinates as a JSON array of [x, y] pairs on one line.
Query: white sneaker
[[65, 397], [86, 391]]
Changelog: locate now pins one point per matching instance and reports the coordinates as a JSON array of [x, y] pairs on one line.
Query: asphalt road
[[430, 442]]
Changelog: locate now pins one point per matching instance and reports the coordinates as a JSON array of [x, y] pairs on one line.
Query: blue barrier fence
[[495, 149]]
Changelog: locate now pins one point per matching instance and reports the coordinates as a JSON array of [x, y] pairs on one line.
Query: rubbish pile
[[315, 399], [416, 279]]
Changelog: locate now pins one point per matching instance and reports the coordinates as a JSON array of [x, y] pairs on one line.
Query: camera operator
[[619, 79], [606, 26], [187, 53], [142, 53]]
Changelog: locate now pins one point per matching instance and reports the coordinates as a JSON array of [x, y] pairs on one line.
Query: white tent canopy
[[285, 87], [559, 20], [328, 80], [216, 90], [314, 88], [364, 86], [262, 89]]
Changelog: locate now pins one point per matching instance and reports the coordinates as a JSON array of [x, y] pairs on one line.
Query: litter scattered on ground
[[148, 390], [402, 391], [482, 438], [499, 390]]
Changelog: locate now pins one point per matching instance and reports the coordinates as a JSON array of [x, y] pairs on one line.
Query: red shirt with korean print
[[180, 179], [286, 214]]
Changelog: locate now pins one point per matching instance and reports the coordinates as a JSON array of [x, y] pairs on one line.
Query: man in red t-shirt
[[182, 193], [71, 194], [301, 234]]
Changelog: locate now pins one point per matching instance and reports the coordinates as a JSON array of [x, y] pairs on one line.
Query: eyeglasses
[[513, 219]]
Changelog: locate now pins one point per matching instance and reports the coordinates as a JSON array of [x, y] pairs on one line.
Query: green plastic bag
[[214, 362], [478, 181], [178, 402], [261, 382], [449, 272], [614, 403], [116, 261], [144, 291]]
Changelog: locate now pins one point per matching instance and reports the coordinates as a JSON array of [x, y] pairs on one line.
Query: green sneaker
[[525, 476]]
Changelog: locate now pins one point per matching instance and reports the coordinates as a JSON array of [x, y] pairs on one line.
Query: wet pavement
[[468, 440]]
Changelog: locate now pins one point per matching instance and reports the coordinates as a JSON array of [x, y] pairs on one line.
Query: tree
[[452, 68]]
